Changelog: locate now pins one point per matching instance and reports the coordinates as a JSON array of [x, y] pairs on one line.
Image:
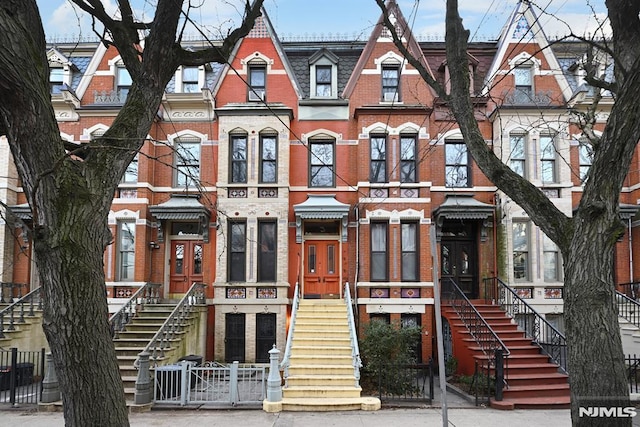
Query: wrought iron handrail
[[173, 325], [631, 289], [480, 330], [149, 293], [628, 308], [10, 311], [551, 341], [355, 349], [284, 365]]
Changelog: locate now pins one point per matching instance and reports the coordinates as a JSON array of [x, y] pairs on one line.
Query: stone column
[[273, 402], [144, 392], [50, 386]]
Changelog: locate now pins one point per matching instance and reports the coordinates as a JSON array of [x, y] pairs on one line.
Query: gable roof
[[523, 26], [262, 28], [381, 32]]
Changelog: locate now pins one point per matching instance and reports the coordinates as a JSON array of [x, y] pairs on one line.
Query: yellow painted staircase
[[321, 375]]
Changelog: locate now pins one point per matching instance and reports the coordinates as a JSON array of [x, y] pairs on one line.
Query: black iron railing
[[147, 294], [484, 336], [552, 342], [406, 382], [21, 374], [631, 290], [17, 310], [628, 308], [632, 361]]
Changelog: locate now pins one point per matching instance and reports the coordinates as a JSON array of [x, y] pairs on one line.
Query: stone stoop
[[133, 340], [533, 381], [321, 372], [22, 337]]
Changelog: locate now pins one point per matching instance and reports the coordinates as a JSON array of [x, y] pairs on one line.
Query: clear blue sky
[[348, 17]]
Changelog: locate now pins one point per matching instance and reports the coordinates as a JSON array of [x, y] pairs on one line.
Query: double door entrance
[[321, 269], [186, 265]]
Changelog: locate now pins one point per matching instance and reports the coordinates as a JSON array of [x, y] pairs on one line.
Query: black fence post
[[12, 376], [499, 373]]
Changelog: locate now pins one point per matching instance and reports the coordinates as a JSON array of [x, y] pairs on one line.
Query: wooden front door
[[321, 269], [186, 265], [458, 262]]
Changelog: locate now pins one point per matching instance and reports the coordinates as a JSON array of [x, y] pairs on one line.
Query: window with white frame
[[409, 249], [322, 163], [408, 155], [126, 234], [123, 82], [517, 157], [187, 161], [378, 152], [190, 79], [257, 82], [586, 159], [323, 73], [56, 79], [520, 235], [551, 260], [268, 158], [523, 81], [547, 159], [238, 158], [457, 164], [391, 82]]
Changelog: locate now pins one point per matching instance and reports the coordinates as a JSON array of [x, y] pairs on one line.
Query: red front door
[[321, 274], [186, 265]]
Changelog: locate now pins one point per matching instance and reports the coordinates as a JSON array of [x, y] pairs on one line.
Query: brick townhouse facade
[[322, 163]]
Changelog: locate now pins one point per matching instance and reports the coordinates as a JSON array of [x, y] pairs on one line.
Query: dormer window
[[257, 82], [391, 83], [190, 80], [323, 73], [323, 81], [56, 79]]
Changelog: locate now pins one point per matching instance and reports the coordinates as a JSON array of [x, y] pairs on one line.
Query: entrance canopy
[[182, 207], [463, 207], [321, 206]]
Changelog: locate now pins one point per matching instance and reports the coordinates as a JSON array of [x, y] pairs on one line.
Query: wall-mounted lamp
[[154, 245]]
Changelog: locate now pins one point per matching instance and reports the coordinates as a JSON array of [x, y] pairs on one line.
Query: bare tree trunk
[[76, 317]]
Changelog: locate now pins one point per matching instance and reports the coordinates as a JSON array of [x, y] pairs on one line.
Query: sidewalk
[[406, 417]]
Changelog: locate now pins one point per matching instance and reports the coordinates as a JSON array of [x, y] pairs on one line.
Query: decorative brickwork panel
[[267, 293], [237, 193], [410, 293], [379, 293], [524, 293], [236, 293], [553, 293]]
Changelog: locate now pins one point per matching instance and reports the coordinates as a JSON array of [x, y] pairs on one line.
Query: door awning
[[463, 207], [321, 206], [182, 207]]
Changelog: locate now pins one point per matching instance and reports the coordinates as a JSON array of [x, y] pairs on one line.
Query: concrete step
[[321, 392], [539, 390], [330, 404], [320, 359], [309, 350], [321, 370], [321, 380]]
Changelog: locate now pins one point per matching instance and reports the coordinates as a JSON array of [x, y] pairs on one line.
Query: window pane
[[323, 90], [378, 237], [520, 251], [378, 266], [239, 159], [190, 74], [267, 251], [237, 256], [323, 74], [197, 259], [522, 76], [257, 77], [127, 242], [321, 158], [179, 259]]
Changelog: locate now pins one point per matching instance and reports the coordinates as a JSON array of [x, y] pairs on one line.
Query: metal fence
[[405, 382], [185, 384], [633, 372], [21, 374]]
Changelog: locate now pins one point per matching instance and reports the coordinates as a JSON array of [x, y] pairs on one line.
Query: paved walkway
[[406, 417]]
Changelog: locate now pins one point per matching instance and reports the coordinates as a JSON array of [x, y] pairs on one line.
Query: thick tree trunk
[[596, 366], [70, 264]]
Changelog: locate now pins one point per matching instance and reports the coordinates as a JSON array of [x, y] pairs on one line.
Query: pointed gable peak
[[523, 26]]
